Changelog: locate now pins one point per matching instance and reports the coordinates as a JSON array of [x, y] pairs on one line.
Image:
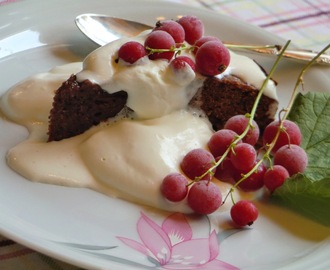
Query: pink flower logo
[[172, 245]]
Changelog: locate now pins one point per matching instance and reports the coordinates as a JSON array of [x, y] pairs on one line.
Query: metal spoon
[[103, 29]]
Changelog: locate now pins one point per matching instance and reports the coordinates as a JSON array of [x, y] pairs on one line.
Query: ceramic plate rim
[[35, 7]]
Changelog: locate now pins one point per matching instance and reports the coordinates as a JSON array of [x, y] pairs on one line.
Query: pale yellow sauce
[[127, 158]]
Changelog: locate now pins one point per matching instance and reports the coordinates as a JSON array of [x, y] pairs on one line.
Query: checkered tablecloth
[[304, 22]]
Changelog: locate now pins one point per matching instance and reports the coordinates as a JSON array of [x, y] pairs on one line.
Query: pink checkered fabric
[[304, 22]]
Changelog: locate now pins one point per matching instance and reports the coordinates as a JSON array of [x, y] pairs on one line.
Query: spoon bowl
[[103, 29]]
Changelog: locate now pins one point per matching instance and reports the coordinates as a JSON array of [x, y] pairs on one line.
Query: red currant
[[244, 213], [243, 156], [275, 177], [225, 171], [173, 28], [202, 40], [220, 141], [196, 162], [181, 62], [255, 181], [289, 135], [174, 187], [131, 51], [193, 27], [204, 197], [212, 58], [292, 157], [160, 40], [239, 123]]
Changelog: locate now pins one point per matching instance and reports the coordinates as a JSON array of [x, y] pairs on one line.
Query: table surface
[[304, 22]]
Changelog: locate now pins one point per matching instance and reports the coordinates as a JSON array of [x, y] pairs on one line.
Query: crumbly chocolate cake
[[78, 106], [223, 98]]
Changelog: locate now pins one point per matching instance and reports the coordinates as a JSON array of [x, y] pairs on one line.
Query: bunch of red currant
[[167, 39], [232, 157]]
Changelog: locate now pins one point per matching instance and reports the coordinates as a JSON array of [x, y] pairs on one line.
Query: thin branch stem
[[251, 115], [281, 120]]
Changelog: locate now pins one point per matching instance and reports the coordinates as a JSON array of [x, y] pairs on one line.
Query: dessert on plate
[[119, 127]]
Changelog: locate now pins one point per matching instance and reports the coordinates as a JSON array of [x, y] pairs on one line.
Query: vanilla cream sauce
[[128, 158]]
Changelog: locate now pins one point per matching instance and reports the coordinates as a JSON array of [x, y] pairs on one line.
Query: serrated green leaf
[[309, 193]]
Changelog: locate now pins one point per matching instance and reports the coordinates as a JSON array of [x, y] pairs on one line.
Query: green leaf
[[312, 114], [310, 198], [309, 193]]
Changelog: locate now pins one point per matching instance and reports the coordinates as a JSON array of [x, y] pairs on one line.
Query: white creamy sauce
[[154, 83], [247, 70], [128, 158], [148, 82]]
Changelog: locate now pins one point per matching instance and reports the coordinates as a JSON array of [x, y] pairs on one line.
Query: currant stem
[[172, 49], [230, 193], [300, 80], [292, 99], [241, 136], [250, 115], [286, 113]]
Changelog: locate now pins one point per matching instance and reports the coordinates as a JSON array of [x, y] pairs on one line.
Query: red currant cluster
[[167, 39], [233, 158]]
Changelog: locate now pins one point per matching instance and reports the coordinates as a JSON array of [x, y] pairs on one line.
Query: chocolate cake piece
[[223, 98], [78, 106]]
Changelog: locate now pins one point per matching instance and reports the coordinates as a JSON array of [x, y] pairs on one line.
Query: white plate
[[82, 227]]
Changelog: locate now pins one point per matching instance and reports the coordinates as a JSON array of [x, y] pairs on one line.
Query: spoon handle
[[296, 54], [103, 29]]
